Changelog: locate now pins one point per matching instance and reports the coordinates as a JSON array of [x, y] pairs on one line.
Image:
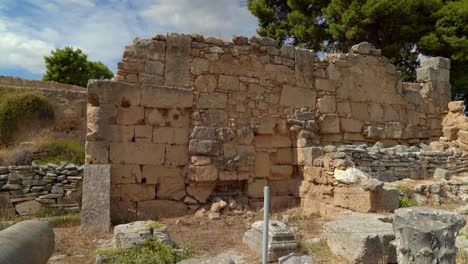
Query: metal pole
[[266, 206]]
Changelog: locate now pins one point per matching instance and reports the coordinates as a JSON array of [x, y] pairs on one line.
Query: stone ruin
[[190, 118]]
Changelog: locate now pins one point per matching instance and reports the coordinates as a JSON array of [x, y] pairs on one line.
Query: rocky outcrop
[[426, 235]]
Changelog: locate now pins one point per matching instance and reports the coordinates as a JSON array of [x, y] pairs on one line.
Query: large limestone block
[[230, 83], [166, 97], [361, 238], [279, 172], [214, 117], [171, 187], [426, 235], [205, 83], [306, 155], [132, 115], [171, 135], [137, 153], [394, 130], [280, 239], [212, 100], [329, 124], [304, 68], [203, 173], [273, 141], [177, 70], [152, 174], [297, 97], [97, 152], [358, 199], [113, 92], [137, 192], [135, 234], [125, 173], [351, 125], [255, 188], [266, 125], [201, 192], [327, 104], [427, 74], [282, 156], [176, 155], [463, 136], [262, 164], [436, 62], [118, 133], [161, 208], [95, 208]]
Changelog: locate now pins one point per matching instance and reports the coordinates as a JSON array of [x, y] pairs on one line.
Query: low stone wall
[[20, 82], [352, 176], [454, 128], [29, 188]]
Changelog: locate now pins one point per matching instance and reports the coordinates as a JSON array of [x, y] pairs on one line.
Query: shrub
[[151, 251], [64, 150], [405, 201], [17, 106]]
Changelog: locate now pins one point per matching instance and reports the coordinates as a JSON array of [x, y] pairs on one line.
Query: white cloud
[[102, 28], [21, 51], [221, 18]]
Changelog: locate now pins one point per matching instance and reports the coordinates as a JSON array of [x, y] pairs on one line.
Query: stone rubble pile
[[29, 188], [220, 206]]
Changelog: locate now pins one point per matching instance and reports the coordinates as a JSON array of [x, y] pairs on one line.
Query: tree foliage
[[402, 29], [71, 66]]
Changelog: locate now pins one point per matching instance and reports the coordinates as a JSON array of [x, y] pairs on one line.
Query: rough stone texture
[[37, 237], [280, 239], [95, 214], [361, 238], [135, 233], [232, 117], [426, 235], [219, 259]]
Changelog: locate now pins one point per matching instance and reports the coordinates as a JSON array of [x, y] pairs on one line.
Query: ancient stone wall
[[69, 101], [26, 189], [191, 118]]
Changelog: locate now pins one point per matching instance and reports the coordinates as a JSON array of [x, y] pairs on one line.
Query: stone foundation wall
[[192, 117], [26, 189]]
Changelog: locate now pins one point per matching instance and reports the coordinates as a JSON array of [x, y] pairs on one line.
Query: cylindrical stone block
[[426, 235], [28, 242]]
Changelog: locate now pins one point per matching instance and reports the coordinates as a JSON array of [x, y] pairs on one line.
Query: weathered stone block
[[282, 156], [201, 192], [200, 132], [351, 125], [95, 209], [137, 192], [361, 238], [230, 83], [274, 141], [266, 125], [394, 130], [137, 153], [177, 70], [215, 118], [125, 173], [297, 97], [324, 85], [143, 134], [119, 133], [160, 208], [281, 172], [176, 155], [227, 175], [205, 83], [262, 164], [166, 97], [171, 135], [306, 156], [436, 62], [204, 147], [97, 152], [427, 74], [329, 124], [327, 104], [203, 173], [154, 116], [359, 111], [132, 115], [255, 188], [171, 186], [212, 100], [153, 173], [28, 207], [113, 92]]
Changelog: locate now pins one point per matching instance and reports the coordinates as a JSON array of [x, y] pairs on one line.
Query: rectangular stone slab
[[95, 211]]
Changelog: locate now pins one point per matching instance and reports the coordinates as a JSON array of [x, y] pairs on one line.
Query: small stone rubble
[[29, 188], [220, 206]]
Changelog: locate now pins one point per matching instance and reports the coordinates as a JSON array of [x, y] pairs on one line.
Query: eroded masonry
[[192, 118]]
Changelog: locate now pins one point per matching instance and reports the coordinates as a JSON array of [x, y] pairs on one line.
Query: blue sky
[[30, 29]]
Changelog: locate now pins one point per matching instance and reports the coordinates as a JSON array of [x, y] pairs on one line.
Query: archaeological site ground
[[171, 158]]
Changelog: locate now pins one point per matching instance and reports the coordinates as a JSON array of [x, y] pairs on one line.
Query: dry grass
[[462, 257]]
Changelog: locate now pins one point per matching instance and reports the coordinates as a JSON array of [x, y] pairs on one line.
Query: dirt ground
[[201, 236]]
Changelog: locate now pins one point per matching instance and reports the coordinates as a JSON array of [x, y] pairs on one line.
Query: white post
[[266, 206]]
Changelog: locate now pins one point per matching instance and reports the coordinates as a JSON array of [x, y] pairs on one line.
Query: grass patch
[[16, 106], [63, 150], [405, 201], [151, 251], [464, 234], [49, 212], [63, 220], [152, 225]]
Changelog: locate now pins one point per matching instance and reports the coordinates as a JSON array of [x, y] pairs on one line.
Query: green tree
[[450, 39], [71, 66]]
